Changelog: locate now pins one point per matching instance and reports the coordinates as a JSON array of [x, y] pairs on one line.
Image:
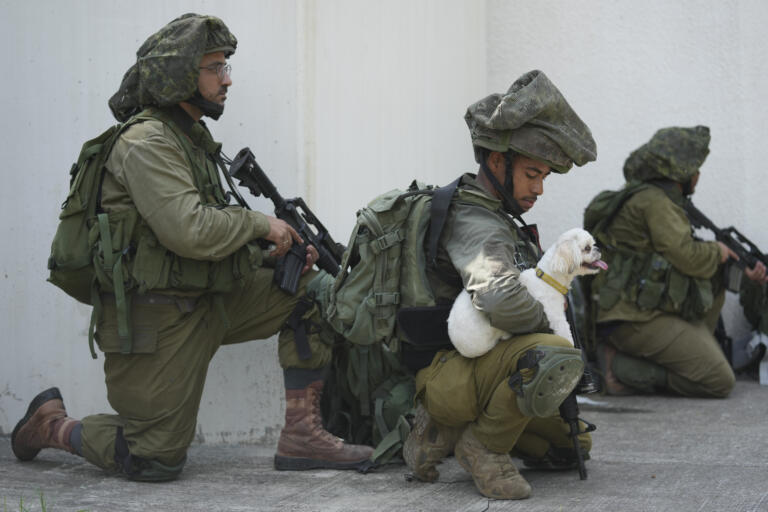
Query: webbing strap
[[391, 443], [106, 240], [298, 324], [379, 274], [378, 415], [388, 240], [387, 299], [529, 359], [88, 153], [441, 201], [122, 303], [365, 405]]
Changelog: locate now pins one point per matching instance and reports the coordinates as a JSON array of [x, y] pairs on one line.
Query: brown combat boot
[[428, 444], [495, 474], [46, 425], [305, 444]]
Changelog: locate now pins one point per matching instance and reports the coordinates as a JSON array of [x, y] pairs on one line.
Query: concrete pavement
[[650, 454]]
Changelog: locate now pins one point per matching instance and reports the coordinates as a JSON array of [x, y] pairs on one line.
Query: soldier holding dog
[[482, 409]]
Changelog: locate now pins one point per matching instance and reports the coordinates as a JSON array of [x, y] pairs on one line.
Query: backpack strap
[[122, 301], [441, 201], [391, 443], [600, 226]]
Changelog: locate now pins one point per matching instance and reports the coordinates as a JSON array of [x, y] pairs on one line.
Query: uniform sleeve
[[154, 170], [670, 232], [481, 247]]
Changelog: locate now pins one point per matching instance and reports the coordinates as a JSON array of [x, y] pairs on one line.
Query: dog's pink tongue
[[600, 264]]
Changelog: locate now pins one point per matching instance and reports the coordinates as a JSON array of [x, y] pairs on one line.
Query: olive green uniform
[[164, 174], [657, 264], [480, 243]]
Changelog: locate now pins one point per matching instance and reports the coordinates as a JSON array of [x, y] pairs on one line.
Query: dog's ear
[[567, 257]]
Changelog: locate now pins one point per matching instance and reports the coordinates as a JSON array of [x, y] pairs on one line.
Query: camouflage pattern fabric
[[534, 119], [166, 68], [673, 153]]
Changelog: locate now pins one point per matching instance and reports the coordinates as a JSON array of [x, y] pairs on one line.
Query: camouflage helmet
[[166, 68], [673, 153], [534, 119]]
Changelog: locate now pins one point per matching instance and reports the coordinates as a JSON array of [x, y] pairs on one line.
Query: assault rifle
[[297, 214], [748, 252]]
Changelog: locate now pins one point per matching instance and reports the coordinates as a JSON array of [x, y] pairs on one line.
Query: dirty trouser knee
[[688, 351], [457, 390]]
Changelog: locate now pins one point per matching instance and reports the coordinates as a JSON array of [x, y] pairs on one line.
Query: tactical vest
[[146, 264], [126, 256], [646, 279]]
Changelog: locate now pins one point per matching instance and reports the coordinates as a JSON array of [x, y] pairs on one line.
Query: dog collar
[[551, 281]]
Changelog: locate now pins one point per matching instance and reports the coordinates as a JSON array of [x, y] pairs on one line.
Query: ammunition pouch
[[651, 282]]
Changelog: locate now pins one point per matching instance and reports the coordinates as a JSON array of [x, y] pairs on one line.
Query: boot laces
[[317, 421]]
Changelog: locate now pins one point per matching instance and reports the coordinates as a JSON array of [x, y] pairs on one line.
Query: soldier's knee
[[545, 376], [720, 383], [166, 467]]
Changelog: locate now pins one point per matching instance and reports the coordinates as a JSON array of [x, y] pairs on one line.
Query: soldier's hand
[[757, 273], [726, 253], [312, 257], [282, 235]]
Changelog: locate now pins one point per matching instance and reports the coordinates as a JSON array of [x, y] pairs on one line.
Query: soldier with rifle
[[658, 305], [180, 272]]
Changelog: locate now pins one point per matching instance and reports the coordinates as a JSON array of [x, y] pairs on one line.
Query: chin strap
[[551, 281], [209, 108], [509, 201]]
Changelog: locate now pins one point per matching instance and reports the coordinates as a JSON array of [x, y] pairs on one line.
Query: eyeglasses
[[220, 69]]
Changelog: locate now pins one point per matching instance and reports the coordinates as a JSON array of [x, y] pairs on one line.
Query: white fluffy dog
[[575, 253]]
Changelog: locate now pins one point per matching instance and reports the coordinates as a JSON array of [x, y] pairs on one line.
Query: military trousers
[[156, 389], [475, 392], [695, 364]]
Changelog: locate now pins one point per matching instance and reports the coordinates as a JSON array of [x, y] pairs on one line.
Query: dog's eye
[[588, 248]]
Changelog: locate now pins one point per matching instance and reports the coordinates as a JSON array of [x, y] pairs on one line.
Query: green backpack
[[72, 263], [382, 270], [71, 260]]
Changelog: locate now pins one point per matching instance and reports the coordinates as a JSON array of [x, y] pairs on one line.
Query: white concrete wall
[[341, 100]]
